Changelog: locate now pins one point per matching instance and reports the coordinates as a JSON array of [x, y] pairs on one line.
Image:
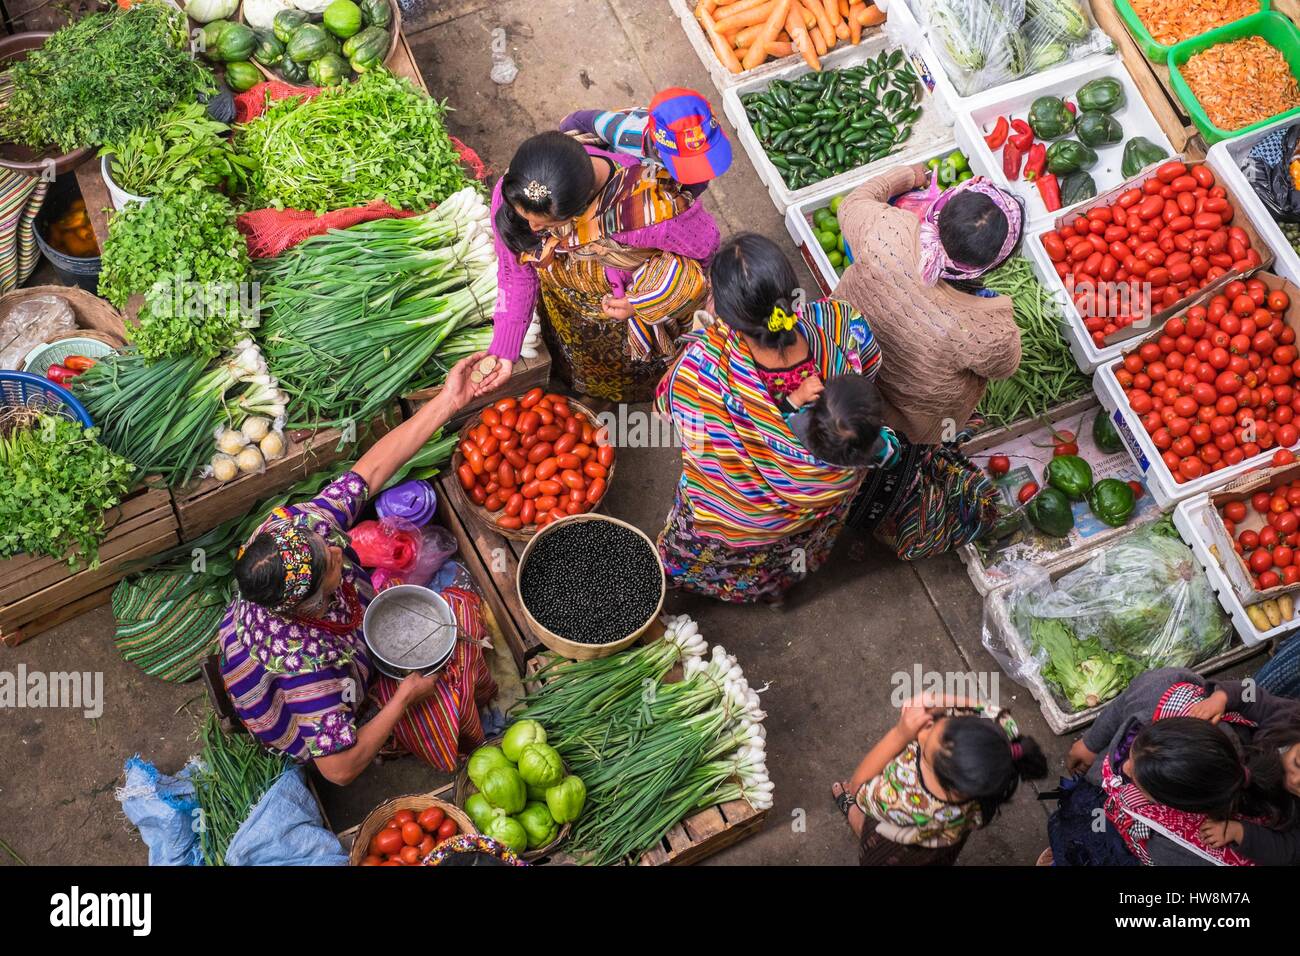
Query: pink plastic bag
[[919, 201], [392, 544]]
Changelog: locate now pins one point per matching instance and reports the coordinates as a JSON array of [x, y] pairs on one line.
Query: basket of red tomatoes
[[405, 830]]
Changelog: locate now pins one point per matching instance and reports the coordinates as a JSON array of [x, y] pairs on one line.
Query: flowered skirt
[[714, 568], [589, 350]]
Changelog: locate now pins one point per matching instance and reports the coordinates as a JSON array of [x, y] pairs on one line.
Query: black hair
[[972, 229], [750, 277], [1193, 765], [844, 423], [558, 162], [976, 761], [260, 571], [472, 858], [1268, 776]]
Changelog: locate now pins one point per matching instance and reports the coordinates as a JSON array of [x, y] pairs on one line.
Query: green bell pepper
[[1104, 435], [1049, 119], [1067, 155], [1049, 511], [1112, 501], [1069, 474]]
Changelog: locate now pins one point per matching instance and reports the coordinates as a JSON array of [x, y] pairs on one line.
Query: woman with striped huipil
[[756, 511], [293, 658]]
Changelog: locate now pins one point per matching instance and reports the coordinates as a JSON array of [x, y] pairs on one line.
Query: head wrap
[[293, 544], [935, 264]]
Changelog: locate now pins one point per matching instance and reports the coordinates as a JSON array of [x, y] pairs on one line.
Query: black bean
[[592, 582]]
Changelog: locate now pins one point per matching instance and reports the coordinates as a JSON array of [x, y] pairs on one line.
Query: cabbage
[[205, 11], [484, 760], [1082, 671], [504, 789], [541, 765], [260, 14], [520, 735]]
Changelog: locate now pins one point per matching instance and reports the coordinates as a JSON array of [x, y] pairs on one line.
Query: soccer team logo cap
[[689, 137]]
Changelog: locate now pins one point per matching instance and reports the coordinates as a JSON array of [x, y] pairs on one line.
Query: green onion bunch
[[235, 771]]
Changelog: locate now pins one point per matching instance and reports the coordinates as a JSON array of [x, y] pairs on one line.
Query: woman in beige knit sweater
[[941, 342], [915, 281]]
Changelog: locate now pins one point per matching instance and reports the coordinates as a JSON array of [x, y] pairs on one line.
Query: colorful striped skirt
[[161, 628], [741, 575]]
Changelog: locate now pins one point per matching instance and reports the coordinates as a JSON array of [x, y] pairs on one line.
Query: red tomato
[[1268, 579], [1235, 511], [1260, 560], [1283, 456], [1138, 490], [1027, 491], [448, 829], [431, 817], [387, 841], [411, 833]]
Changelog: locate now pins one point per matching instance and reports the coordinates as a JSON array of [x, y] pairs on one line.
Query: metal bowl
[[409, 629]]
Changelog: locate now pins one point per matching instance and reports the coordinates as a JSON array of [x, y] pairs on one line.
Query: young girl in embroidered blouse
[[941, 772]]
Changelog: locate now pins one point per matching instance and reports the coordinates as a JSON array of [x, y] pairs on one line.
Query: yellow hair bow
[[780, 320]]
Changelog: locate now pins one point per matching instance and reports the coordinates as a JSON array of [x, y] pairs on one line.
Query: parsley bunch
[[182, 252], [56, 482], [378, 137], [101, 77]]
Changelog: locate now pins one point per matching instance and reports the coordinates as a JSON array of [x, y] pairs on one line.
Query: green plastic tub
[[1156, 52], [1273, 27]]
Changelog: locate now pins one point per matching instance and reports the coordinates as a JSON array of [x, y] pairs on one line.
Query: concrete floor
[[828, 655]]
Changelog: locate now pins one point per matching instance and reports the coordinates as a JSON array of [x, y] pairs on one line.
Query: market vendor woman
[[293, 657]]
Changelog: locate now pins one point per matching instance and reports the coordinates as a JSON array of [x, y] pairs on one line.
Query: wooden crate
[[38, 593], [528, 373], [203, 505]]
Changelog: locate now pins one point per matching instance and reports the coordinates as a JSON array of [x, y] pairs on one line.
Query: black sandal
[[843, 799]]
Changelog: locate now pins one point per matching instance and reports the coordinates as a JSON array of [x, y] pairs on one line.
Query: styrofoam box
[[902, 21], [1191, 517], [723, 78], [1133, 116], [998, 619], [798, 218], [1225, 159], [929, 132]]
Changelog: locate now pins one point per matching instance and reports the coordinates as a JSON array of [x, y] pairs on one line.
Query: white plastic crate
[[1225, 159], [1134, 117], [798, 218], [723, 78], [930, 131], [1191, 519]]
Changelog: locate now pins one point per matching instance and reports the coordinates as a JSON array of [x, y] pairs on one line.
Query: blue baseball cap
[[689, 138]]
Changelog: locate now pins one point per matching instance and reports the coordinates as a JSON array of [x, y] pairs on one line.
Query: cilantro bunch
[[183, 253], [101, 77], [378, 137], [56, 482]]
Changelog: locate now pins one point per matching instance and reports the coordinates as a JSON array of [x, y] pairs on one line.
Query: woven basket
[[465, 789], [92, 313], [394, 29], [464, 505], [379, 817]]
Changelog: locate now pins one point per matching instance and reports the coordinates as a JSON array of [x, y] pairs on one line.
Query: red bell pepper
[[1050, 191], [1024, 135], [1011, 157], [995, 139], [60, 375], [1036, 164]]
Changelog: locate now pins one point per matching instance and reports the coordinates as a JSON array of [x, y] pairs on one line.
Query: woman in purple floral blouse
[[293, 657]]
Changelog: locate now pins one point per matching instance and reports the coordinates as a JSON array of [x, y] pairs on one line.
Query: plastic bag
[[413, 500], [985, 43], [1140, 603], [32, 323], [437, 544], [391, 543], [285, 828], [1267, 168], [918, 201]]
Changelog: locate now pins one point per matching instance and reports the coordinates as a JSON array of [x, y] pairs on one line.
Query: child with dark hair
[[843, 426], [941, 772]]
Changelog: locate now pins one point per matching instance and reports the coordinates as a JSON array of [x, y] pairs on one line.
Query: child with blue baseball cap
[[677, 131]]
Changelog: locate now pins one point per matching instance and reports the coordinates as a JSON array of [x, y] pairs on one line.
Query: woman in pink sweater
[[616, 252]]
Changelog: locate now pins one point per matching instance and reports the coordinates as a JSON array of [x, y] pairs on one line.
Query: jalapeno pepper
[[1050, 191], [1024, 135], [995, 139], [1036, 163]]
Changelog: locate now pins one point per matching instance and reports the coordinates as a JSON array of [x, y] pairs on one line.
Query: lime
[[957, 160], [835, 257], [965, 176], [835, 204], [827, 240]]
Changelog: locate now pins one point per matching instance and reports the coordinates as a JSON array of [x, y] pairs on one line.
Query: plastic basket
[[1280, 33], [1156, 52], [25, 390], [40, 359]]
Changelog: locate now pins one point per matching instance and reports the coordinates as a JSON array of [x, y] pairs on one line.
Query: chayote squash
[[541, 765], [368, 50], [483, 761], [1139, 153], [507, 831], [1105, 93], [286, 24], [376, 13], [519, 735], [1049, 511], [1049, 119], [270, 51], [1077, 186], [1069, 474], [538, 824], [329, 70], [1095, 128], [566, 799], [1112, 501], [1067, 155], [504, 789], [242, 75], [479, 810]]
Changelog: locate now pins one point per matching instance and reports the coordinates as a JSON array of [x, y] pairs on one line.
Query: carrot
[[720, 46], [819, 41], [832, 8], [842, 30], [871, 16], [844, 8], [771, 27], [823, 22], [705, 6], [780, 48], [721, 11], [855, 25], [745, 18], [802, 42]]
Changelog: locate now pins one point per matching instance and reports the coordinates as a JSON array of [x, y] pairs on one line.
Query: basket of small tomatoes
[[531, 460], [405, 830]]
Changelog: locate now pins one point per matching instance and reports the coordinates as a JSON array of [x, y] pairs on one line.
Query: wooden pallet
[[38, 593], [528, 373], [203, 505]]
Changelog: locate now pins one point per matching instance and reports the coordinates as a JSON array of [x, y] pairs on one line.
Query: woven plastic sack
[[271, 231]]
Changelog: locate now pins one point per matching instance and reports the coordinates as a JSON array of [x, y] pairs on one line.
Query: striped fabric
[[162, 630], [748, 479], [660, 290], [20, 200]]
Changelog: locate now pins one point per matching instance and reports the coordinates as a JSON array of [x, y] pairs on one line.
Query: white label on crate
[[1121, 425]]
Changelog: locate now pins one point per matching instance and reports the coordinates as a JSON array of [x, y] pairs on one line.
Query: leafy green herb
[[180, 250], [184, 144], [56, 482], [378, 137], [101, 77]]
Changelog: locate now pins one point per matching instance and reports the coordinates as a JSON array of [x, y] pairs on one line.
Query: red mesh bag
[[271, 231]]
